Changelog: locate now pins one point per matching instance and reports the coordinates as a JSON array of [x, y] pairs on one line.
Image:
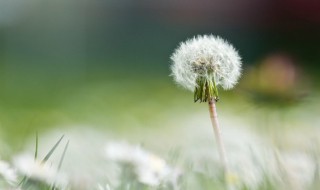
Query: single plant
[[202, 64]]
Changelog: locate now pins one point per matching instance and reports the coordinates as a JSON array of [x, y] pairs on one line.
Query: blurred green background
[[105, 63]]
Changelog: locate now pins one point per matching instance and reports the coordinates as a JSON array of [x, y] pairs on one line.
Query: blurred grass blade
[[36, 151], [63, 154], [60, 163], [22, 181], [52, 150]]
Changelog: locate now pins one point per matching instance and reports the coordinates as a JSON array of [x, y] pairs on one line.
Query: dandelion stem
[[218, 136]]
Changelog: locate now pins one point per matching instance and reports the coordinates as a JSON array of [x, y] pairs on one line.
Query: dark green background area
[[75, 38]]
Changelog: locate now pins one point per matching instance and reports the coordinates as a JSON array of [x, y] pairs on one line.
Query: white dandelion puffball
[[206, 56]]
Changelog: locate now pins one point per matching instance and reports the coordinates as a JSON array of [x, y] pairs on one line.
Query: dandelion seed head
[[206, 56]]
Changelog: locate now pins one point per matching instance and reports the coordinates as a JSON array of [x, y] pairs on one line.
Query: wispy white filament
[[207, 56]]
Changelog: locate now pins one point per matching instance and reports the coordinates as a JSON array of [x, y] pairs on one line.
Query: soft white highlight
[[7, 172], [207, 56], [149, 168], [101, 187]]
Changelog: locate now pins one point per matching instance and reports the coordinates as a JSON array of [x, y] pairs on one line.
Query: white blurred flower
[[206, 56], [84, 165], [38, 170], [149, 168], [7, 172], [152, 170]]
